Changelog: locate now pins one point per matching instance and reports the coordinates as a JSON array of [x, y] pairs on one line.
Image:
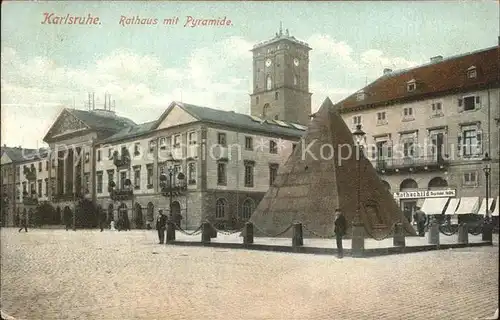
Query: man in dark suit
[[24, 222], [161, 221], [340, 228]]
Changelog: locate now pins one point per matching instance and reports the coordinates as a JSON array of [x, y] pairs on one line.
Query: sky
[[47, 67]]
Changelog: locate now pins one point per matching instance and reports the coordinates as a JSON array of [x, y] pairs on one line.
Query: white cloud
[[218, 76]]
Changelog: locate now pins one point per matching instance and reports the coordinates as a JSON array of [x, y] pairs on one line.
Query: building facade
[[429, 128]]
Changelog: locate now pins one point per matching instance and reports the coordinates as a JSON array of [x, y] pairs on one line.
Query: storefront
[[431, 201]]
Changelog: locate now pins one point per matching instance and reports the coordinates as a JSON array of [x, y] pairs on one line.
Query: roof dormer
[[411, 85], [472, 72], [360, 95]]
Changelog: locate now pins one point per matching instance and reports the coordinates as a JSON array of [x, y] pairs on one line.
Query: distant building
[[429, 127]]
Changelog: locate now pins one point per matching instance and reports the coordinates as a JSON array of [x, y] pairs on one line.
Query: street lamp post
[[359, 137], [487, 170], [170, 175]]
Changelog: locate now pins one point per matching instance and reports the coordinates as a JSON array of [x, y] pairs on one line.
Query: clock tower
[[281, 79]]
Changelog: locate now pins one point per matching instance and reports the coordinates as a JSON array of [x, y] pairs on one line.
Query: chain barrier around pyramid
[[322, 175]]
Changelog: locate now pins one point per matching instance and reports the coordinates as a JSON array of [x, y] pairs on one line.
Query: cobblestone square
[[87, 274]]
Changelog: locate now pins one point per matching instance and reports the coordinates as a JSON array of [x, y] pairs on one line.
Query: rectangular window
[[123, 177], [137, 177], [471, 74], [150, 176], [111, 175], [24, 187], [46, 187], [47, 165], [192, 173], [273, 173], [87, 157], [273, 147], [248, 143], [221, 173], [408, 112], [469, 143], [110, 154], [86, 183], [381, 116], [249, 175], [39, 167], [356, 120], [470, 179], [151, 146], [408, 148], [98, 155], [411, 87], [40, 187], [469, 103], [276, 96], [99, 182], [163, 143], [137, 147], [177, 141], [221, 139], [192, 137]]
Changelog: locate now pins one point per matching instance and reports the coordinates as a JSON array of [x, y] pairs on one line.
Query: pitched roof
[[17, 154], [97, 120], [131, 132], [432, 79], [241, 121], [309, 187]]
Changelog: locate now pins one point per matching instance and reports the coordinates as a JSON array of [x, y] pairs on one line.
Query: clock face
[[296, 62], [268, 62]]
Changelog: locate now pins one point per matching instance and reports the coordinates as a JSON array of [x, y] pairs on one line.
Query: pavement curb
[[329, 251]]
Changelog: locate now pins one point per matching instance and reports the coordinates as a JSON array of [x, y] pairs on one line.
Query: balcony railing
[[125, 193], [410, 164], [177, 187], [30, 200], [69, 196]]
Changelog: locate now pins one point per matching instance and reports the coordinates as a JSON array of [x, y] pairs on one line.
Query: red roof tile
[[432, 79]]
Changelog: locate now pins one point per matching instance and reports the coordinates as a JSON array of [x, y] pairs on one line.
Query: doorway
[[409, 208]]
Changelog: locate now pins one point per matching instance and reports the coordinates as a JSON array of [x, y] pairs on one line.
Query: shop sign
[[425, 194]]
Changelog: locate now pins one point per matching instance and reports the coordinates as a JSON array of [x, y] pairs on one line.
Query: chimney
[[437, 59], [387, 70]]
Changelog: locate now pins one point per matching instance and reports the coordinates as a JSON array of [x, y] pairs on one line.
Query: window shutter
[[459, 144], [460, 105], [478, 100], [479, 137]]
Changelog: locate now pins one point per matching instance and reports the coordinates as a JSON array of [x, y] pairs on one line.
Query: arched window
[[437, 183], [220, 208], [151, 211], [276, 117], [408, 184], [265, 110], [295, 80], [248, 207], [386, 185], [269, 82]]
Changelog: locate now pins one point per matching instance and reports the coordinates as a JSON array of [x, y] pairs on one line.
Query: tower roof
[[281, 36], [311, 185]]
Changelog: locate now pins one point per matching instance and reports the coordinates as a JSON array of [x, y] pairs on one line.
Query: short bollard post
[[399, 236], [297, 239], [206, 230], [248, 233], [213, 232], [433, 236], [170, 231], [487, 232], [358, 240], [463, 233]]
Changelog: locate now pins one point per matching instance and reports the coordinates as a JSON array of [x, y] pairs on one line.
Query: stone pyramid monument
[[322, 175]]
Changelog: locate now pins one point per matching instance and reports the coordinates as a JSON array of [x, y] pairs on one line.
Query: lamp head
[[358, 135]]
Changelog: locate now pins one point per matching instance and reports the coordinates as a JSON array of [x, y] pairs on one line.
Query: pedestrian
[[161, 221], [340, 229], [24, 222], [112, 224], [102, 219], [420, 218], [126, 222]]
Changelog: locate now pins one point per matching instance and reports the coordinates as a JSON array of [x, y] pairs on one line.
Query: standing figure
[[112, 225], [24, 222], [161, 221], [126, 221], [102, 219], [340, 228], [420, 218]]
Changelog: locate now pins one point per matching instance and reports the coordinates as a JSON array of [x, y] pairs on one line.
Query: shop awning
[[482, 209], [434, 205], [468, 205], [497, 207], [452, 206]]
